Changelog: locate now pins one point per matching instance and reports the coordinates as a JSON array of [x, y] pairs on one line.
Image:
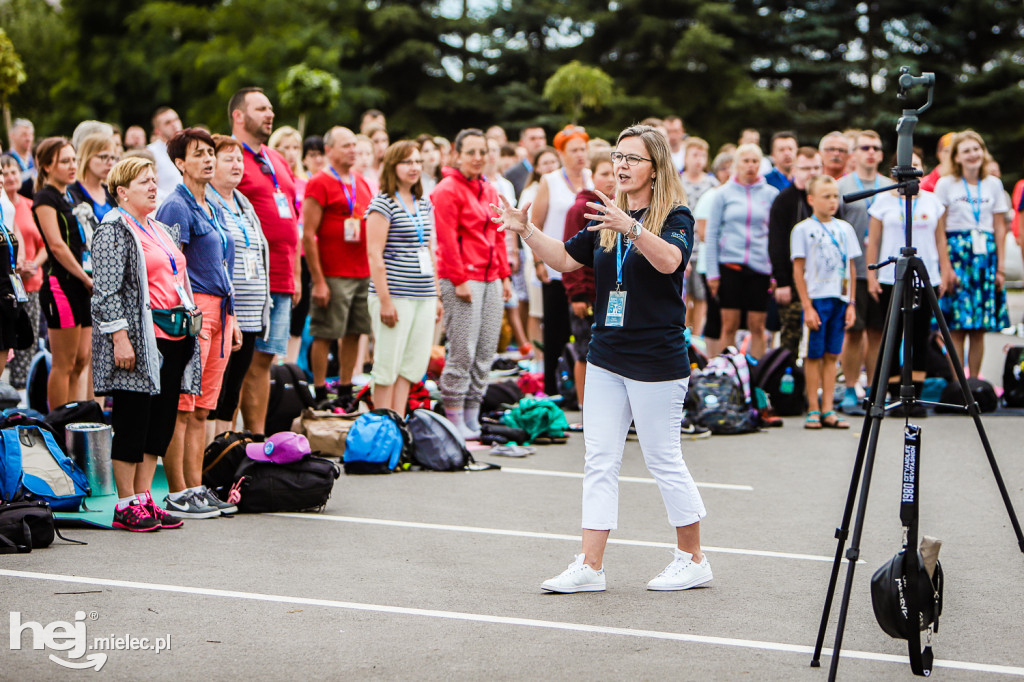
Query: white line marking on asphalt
[[506, 620], [544, 536], [628, 479]]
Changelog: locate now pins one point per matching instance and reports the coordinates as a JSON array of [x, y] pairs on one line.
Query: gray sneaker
[[212, 500], [191, 506]]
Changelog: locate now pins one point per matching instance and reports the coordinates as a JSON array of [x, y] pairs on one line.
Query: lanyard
[[22, 164], [239, 218], [81, 232], [828, 231], [212, 219], [154, 237], [913, 210], [975, 203], [620, 257], [414, 217], [266, 159], [349, 197], [10, 239], [860, 186], [95, 207], [572, 187]]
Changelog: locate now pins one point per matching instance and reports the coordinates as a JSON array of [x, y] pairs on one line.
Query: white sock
[[198, 490], [178, 496], [123, 502], [471, 415]]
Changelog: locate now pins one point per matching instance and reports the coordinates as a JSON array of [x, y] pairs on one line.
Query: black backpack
[[222, 457], [35, 385], [1013, 377], [289, 396], [304, 485], [26, 525], [983, 392], [770, 374], [85, 411], [500, 393], [437, 445]]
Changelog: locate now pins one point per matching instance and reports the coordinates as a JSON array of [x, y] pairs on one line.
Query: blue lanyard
[[212, 219], [10, 239], [572, 187], [414, 217], [860, 186], [154, 237], [913, 210], [828, 231], [239, 218], [620, 257], [266, 160], [81, 232], [22, 164], [349, 197], [975, 203]]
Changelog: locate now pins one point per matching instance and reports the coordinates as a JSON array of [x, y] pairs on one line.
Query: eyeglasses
[[415, 162], [869, 148], [837, 150], [108, 158], [631, 159]]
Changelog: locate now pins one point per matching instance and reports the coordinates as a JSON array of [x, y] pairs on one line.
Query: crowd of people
[[169, 271]]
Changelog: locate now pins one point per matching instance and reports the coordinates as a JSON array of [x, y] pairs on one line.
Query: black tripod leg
[[975, 412], [843, 531], [876, 413]]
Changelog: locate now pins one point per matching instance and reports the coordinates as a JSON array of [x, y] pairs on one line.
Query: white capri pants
[[656, 409]]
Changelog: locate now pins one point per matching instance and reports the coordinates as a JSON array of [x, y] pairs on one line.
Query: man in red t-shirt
[[334, 237], [268, 183]]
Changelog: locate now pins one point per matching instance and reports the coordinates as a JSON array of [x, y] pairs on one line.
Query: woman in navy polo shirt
[[637, 366]]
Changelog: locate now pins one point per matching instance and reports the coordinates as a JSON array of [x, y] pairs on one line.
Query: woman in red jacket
[[474, 276]]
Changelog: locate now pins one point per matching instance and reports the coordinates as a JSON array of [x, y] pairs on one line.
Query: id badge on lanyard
[[252, 267], [20, 294], [186, 300], [616, 315], [87, 261], [352, 229], [979, 243], [426, 262], [283, 209]]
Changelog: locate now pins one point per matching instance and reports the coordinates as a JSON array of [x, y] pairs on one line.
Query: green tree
[[12, 75], [575, 87], [307, 89]]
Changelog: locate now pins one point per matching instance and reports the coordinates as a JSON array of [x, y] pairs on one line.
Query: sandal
[[813, 420], [836, 422]]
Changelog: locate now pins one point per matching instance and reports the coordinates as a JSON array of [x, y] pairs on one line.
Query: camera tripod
[[911, 288]]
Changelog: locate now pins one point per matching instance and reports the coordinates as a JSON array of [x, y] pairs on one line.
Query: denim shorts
[[280, 325], [828, 338]]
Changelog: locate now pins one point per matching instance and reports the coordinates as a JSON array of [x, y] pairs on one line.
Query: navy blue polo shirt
[[651, 344]]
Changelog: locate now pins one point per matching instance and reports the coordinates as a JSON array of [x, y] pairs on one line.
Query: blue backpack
[[32, 466], [376, 443]]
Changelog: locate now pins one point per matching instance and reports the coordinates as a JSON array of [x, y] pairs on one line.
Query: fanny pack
[[179, 320]]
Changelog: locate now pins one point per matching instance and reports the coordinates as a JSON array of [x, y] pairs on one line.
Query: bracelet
[[533, 228]]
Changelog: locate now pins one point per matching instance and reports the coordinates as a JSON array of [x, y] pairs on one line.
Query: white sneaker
[[579, 577], [683, 573]]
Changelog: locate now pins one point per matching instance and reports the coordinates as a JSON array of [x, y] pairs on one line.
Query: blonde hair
[[125, 172], [95, 144], [748, 148], [817, 181], [667, 191], [956, 166], [279, 136]]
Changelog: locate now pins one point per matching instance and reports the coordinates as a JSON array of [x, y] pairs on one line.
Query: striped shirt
[[401, 251], [250, 294]]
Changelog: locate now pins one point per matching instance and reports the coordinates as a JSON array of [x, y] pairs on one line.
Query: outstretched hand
[[511, 218], [608, 215]]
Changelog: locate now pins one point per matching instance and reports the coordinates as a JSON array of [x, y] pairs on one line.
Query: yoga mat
[[100, 512]]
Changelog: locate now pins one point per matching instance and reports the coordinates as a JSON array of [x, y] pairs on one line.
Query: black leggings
[[234, 375], [144, 423], [556, 331]]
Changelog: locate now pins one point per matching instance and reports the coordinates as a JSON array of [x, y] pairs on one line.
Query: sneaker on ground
[[225, 507], [683, 573], [579, 577], [190, 507], [135, 518], [162, 517], [694, 431]]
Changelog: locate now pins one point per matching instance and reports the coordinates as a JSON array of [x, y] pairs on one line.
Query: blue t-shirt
[[777, 179], [651, 344], [206, 242]]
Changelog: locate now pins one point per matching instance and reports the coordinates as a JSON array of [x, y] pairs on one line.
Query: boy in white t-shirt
[[823, 249]]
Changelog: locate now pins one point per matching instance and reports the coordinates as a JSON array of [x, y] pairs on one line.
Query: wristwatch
[[634, 231]]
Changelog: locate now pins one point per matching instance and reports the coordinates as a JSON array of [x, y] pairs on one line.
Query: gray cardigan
[[120, 300]]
